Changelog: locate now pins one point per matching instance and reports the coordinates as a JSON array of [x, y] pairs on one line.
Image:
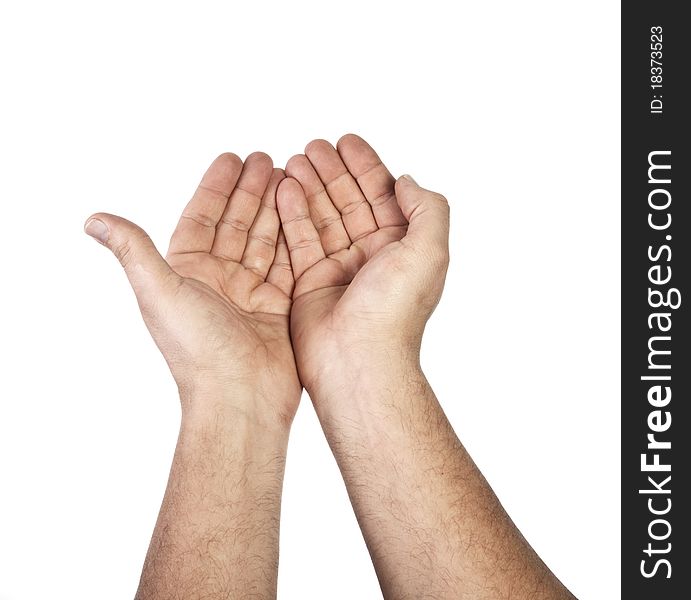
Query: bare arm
[[369, 271], [218, 308], [432, 524], [218, 529]]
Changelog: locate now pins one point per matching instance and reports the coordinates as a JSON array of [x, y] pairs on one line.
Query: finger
[[281, 272], [196, 229], [427, 213], [374, 179], [342, 188], [242, 207], [301, 236], [145, 267], [261, 240], [323, 213]]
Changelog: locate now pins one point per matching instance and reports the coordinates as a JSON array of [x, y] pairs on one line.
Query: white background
[[511, 109]]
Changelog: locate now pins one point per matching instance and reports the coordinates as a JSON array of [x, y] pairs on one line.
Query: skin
[[218, 308], [369, 255], [349, 274]]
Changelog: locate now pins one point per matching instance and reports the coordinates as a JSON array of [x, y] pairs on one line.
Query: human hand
[[218, 306], [369, 256]]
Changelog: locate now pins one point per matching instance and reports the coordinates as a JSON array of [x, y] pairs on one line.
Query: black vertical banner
[[656, 298]]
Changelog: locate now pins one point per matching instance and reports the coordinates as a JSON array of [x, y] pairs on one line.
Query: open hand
[[218, 306], [369, 256]]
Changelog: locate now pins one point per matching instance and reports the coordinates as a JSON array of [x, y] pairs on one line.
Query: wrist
[[360, 379], [229, 407]]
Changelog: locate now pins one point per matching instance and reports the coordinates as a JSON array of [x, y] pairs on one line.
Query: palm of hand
[[240, 309], [345, 230], [232, 286], [350, 281], [227, 303]]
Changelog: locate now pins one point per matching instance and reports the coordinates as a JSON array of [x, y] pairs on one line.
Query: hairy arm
[[370, 255], [432, 524], [218, 309], [217, 532]]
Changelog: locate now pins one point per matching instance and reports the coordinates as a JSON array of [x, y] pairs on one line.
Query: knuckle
[[437, 256], [123, 252], [440, 258], [445, 258], [441, 200], [126, 250]]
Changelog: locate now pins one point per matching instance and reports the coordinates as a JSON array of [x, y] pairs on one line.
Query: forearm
[[432, 524], [218, 528]]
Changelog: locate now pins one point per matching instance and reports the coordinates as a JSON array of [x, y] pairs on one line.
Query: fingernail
[[409, 178], [97, 229]]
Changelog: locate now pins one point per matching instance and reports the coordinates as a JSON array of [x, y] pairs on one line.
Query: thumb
[[427, 213], [145, 267]]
